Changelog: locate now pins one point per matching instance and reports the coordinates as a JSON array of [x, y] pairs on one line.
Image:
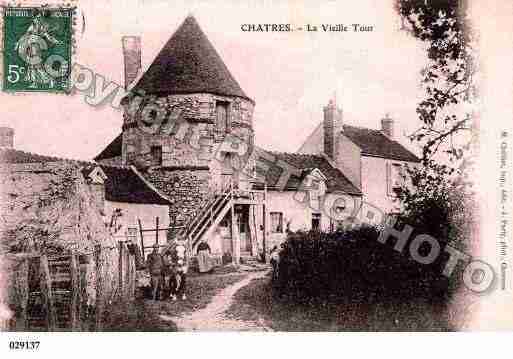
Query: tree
[[448, 78], [443, 208], [438, 195]]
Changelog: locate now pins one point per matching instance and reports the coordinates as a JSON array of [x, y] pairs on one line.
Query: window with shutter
[[394, 177], [276, 222], [222, 117]]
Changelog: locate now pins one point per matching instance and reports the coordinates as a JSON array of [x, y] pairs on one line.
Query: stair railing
[[205, 213], [199, 229]]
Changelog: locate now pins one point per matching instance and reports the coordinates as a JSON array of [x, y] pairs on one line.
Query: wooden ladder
[[53, 297]]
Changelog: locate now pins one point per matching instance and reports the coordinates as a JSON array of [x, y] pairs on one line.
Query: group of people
[[168, 270], [168, 273]]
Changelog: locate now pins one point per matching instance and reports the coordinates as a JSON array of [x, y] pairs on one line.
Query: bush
[[354, 265]]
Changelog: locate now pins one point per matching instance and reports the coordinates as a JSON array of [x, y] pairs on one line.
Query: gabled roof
[[336, 180], [94, 173], [113, 149], [371, 142], [188, 63], [375, 143], [123, 184]]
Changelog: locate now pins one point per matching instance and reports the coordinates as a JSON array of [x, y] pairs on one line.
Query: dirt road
[[211, 317]]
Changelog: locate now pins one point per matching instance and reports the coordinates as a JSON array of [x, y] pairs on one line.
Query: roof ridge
[[363, 128], [150, 185], [125, 167], [292, 153], [57, 159]]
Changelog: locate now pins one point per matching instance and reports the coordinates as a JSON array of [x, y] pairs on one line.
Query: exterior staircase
[[208, 217], [212, 211]]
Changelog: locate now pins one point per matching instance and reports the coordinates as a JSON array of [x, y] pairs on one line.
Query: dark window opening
[[156, 155], [316, 221]]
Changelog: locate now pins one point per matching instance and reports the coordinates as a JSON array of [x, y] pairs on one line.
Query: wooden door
[[244, 235]]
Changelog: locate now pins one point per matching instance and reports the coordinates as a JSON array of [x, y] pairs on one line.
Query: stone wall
[[49, 208], [187, 188], [98, 192], [183, 125]]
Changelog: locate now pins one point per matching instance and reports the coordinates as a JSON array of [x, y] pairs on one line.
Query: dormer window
[[315, 186], [222, 117]]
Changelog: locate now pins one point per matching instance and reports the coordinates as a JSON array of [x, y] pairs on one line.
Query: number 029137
[[24, 345]]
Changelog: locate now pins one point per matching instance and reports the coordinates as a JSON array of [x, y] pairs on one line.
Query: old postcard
[[259, 166]]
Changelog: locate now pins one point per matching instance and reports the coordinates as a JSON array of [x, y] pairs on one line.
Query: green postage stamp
[[37, 49]]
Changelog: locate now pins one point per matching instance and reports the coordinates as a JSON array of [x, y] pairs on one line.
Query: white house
[[371, 159]]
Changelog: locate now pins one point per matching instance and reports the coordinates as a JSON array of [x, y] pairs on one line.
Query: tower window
[[156, 155], [222, 117]]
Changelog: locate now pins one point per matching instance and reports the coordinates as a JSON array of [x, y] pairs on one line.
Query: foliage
[[353, 266], [437, 197], [449, 76], [434, 205]]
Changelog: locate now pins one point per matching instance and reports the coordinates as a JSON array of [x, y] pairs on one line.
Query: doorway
[[242, 218]]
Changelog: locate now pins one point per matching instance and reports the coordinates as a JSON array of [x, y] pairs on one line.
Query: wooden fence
[[53, 292]]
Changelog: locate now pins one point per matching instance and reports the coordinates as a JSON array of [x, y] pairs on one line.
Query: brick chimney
[[332, 128], [387, 126], [6, 137], [132, 58]]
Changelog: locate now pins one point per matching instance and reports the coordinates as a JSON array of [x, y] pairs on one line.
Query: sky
[[290, 75]]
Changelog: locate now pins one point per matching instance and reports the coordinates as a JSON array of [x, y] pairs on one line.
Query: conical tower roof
[[188, 63]]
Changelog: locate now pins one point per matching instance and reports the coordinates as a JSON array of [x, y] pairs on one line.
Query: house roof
[[371, 142], [188, 63], [113, 149], [336, 180], [375, 143], [10, 155], [123, 184]]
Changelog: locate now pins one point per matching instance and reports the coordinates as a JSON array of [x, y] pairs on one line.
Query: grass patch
[[143, 314], [256, 302], [137, 316], [200, 291]]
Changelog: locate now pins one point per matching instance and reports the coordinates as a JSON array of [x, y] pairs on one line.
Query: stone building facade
[[188, 130]]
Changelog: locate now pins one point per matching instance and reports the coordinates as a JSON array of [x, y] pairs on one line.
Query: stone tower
[[179, 114]]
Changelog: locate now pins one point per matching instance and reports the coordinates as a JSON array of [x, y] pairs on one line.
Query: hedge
[[354, 265]]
